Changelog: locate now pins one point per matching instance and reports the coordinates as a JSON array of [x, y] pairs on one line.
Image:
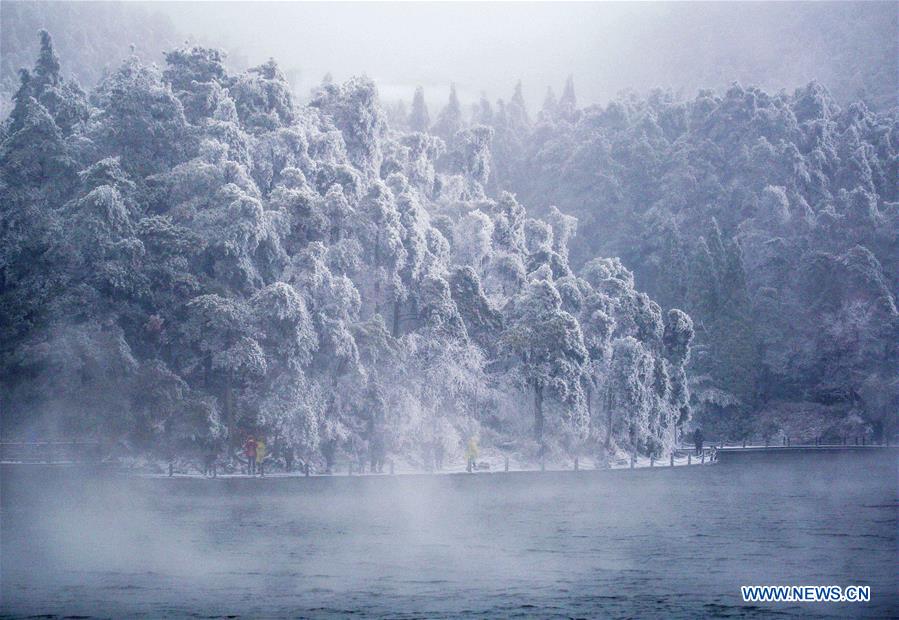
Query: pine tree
[[550, 104], [419, 119], [46, 69], [449, 121], [568, 100]]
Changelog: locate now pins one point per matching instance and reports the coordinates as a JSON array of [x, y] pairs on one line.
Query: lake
[[661, 543]]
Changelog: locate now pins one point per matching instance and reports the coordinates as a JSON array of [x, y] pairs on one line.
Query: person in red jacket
[[249, 451]]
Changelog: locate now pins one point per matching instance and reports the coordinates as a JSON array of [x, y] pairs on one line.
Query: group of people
[[255, 450]]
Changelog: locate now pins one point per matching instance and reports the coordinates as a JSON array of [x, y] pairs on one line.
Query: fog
[[554, 544], [608, 47], [214, 262]]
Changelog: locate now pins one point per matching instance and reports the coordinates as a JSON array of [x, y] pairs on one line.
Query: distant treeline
[[771, 219], [94, 37]]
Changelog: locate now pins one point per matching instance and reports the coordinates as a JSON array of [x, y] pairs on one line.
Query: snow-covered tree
[[419, 119], [189, 255], [449, 122], [546, 348]]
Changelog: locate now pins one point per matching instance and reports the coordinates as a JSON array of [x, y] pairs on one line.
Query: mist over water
[[375, 238], [650, 543]]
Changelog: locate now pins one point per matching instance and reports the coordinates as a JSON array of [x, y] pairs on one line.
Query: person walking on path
[[249, 451], [471, 454], [260, 456], [697, 440]]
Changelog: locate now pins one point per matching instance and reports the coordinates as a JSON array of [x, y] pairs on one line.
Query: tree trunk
[[396, 319], [589, 390], [609, 419], [229, 417], [538, 414], [378, 249]]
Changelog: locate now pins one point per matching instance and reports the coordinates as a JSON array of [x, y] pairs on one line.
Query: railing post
[[652, 460], [689, 459], [863, 440], [788, 442], [672, 459], [391, 467], [307, 470], [575, 464], [744, 443], [767, 441], [171, 469], [702, 458], [506, 464]]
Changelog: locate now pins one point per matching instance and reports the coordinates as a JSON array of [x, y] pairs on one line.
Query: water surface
[[664, 543]]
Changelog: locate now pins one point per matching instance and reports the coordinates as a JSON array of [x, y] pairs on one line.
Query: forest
[[189, 255], [771, 219]]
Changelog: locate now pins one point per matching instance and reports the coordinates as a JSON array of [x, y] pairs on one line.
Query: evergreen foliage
[[771, 219], [189, 256]]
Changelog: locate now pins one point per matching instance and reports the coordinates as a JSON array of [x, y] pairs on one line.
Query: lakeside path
[[497, 466]]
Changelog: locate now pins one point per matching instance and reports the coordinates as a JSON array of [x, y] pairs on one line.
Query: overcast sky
[[608, 47]]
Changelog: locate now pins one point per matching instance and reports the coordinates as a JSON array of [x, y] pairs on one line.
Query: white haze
[[487, 47], [415, 546]]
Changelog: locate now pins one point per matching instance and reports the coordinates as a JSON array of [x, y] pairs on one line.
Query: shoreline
[[725, 456]]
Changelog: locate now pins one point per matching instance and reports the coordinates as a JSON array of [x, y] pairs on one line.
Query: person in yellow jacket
[[471, 453], [260, 455]]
